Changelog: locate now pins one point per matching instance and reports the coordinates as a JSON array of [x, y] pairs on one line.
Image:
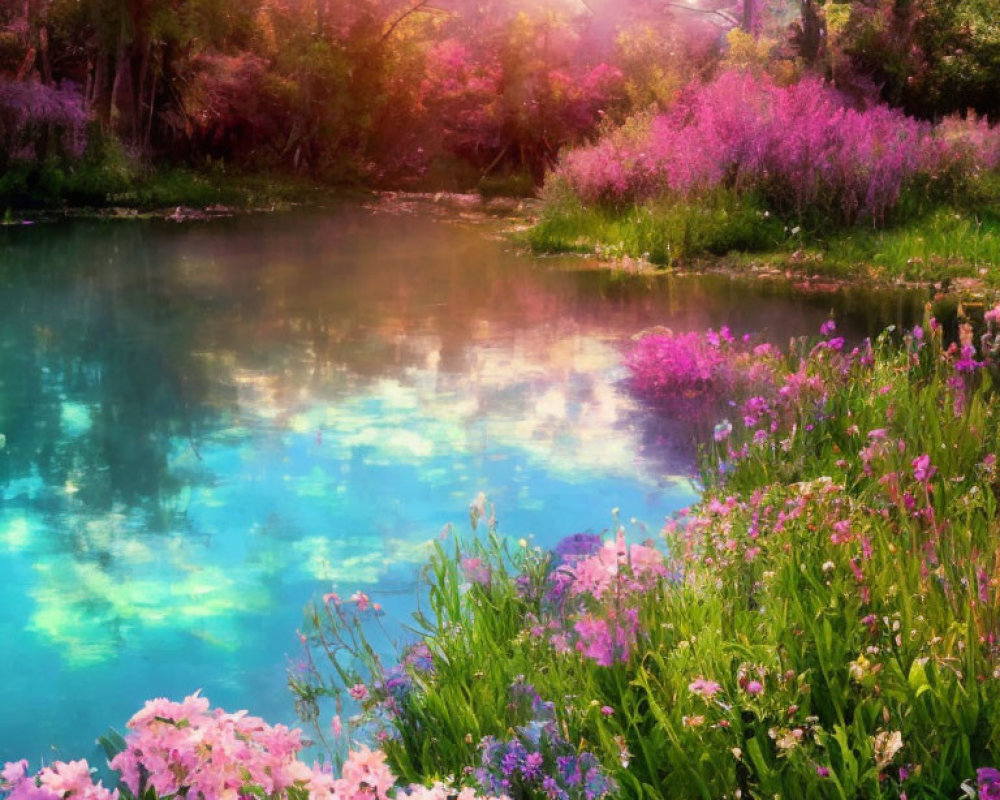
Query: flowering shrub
[[186, 747], [802, 145]]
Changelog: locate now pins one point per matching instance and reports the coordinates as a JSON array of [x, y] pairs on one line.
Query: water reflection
[[206, 424]]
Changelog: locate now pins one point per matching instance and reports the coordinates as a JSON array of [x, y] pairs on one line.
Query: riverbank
[[952, 247], [125, 191]]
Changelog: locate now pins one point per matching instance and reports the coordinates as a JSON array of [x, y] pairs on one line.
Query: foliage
[[39, 121], [929, 57], [517, 94], [822, 624]]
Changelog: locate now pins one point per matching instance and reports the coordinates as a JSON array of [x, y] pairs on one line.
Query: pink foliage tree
[[516, 94]]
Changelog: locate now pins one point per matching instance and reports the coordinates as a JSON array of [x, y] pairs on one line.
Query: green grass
[[663, 233], [924, 242], [108, 179], [943, 244]]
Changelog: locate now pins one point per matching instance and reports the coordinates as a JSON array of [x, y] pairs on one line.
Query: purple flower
[[988, 780], [532, 768], [755, 688], [823, 772], [967, 362], [828, 327], [576, 546], [513, 758], [552, 789]]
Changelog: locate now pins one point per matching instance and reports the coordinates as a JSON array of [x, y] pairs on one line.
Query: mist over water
[[208, 424]]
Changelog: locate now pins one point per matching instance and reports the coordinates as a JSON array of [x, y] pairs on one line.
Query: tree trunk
[[116, 84], [751, 17], [812, 32], [148, 139], [43, 49]]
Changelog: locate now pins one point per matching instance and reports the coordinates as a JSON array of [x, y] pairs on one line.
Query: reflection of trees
[[115, 341]]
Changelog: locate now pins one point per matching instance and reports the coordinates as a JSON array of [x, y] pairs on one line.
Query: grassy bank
[[824, 624], [118, 183], [732, 231]]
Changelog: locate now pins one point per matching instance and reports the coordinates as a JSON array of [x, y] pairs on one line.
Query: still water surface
[[208, 424]]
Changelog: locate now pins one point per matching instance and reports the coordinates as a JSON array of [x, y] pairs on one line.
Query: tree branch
[[729, 18], [396, 22]]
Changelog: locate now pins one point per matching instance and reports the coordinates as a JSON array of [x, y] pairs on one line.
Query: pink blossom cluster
[[593, 599], [803, 145], [64, 780], [191, 750], [617, 567]]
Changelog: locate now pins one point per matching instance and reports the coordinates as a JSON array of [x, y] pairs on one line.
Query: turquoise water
[[208, 424]]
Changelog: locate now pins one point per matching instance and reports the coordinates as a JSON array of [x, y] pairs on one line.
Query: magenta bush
[[688, 373], [803, 146], [29, 110]]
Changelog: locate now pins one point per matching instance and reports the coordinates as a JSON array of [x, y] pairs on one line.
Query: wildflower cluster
[[538, 760], [592, 589], [824, 622], [187, 749]]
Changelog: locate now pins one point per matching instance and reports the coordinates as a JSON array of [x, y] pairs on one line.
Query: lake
[[207, 424]]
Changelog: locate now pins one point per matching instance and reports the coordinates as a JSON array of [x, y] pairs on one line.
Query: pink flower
[[363, 601], [364, 771], [358, 692], [14, 771], [755, 688], [704, 688], [922, 469], [476, 571]]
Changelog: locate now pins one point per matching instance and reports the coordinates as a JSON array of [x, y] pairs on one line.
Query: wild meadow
[[822, 624]]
